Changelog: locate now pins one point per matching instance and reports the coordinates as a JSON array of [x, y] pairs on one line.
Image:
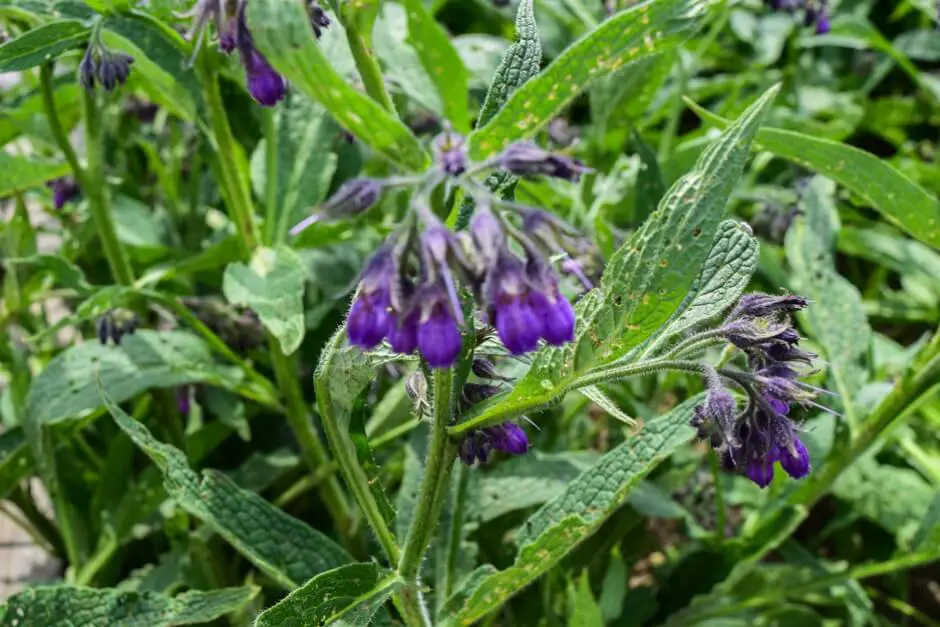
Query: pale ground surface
[[21, 561]]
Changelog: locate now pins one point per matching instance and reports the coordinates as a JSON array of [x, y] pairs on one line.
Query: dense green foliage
[[191, 428]]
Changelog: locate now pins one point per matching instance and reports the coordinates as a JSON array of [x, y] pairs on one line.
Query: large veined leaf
[[836, 317], [41, 44], [18, 174], [281, 30], [646, 281], [646, 29], [562, 523], [899, 199], [65, 606], [348, 595], [273, 286], [66, 388], [725, 273], [285, 548], [441, 61]]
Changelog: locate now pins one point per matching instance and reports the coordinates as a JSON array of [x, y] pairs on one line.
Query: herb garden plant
[[438, 312]]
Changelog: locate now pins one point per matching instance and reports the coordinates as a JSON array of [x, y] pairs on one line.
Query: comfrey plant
[[410, 289]]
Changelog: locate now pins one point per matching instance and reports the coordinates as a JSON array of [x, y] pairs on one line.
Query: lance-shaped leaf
[[837, 316], [562, 523], [441, 61], [899, 199], [285, 548], [41, 44], [348, 595], [646, 29], [281, 30], [724, 275], [65, 606], [273, 286], [646, 281]]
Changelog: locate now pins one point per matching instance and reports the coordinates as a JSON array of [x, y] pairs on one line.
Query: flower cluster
[[409, 293], [64, 190], [507, 437], [265, 85], [114, 325], [753, 441], [103, 66], [815, 12]]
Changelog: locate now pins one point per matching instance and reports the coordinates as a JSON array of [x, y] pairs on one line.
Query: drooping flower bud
[[113, 69], [450, 152], [758, 305], [265, 85], [524, 158], [488, 235], [510, 305], [63, 190], [439, 338], [318, 18], [370, 319], [485, 369], [88, 69], [509, 438], [352, 198], [548, 304]]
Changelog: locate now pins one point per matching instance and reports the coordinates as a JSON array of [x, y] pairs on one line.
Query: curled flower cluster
[[815, 12], [409, 291], [265, 85], [751, 442], [103, 66]]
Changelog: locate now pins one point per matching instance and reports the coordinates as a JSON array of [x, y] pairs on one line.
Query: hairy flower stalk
[[413, 290]]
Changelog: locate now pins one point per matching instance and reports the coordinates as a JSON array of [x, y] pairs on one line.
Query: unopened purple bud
[[474, 393], [823, 26], [439, 337], [760, 471], [509, 438], [88, 69], [475, 446], [759, 305], [525, 158], [488, 235], [182, 400], [369, 320], [63, 191], [103, 329], [265, 85], [795, 459], [485, 369], [557, 317], [318, 18]]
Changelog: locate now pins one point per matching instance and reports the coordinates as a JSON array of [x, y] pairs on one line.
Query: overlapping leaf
[[285, 548], [281, 30], [18, 174], [646, 29], [41, 44], [647, 280], [899, 199], [557, 528], [65, 606]]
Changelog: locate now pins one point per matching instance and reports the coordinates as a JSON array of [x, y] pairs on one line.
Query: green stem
[[721, 517], [55, 124], [312, 448], [344, 452], [39, 524], [440, 461], [273, 233], [638, 369], [94, 190], [226, 151], [368, 67]]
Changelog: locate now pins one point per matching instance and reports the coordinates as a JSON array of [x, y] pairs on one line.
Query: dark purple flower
[[370, 318], [762, 440], [509, 438], [525, 158], [823, 26], [474, 393], [451, 153], [88, 69], [438, 332], [510, 306], [548, 304], [403, 334], [265, 85], [63, 191], [795, 459]]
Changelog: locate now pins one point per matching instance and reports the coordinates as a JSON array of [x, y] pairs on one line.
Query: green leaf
[[400, 61], [66, 274], [25, 115], [281, 30], [649, 28], [724, 276], [41, 44], [646, 281], [162, 65], [585, 612], [899, 199], [650, 186], [520, 63], [65, 606], [67, 387], [18, 174], [837, 315], [597, 396], [906, 256], [15, 462], [273, 286], [562, 523], [441, 62], [351, 594], [305, 163], [285, 548]]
